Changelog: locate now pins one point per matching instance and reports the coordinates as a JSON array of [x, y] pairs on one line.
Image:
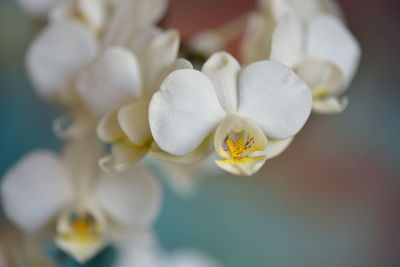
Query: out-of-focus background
[[331, 200]]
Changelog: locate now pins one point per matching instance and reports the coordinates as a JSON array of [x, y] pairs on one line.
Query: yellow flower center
[[235, 147], [84, 229], [239, 149]]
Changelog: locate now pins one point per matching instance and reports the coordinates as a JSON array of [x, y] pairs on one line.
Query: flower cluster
[[129, 97]]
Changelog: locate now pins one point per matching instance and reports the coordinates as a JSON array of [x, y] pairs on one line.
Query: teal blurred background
[[331, 200]]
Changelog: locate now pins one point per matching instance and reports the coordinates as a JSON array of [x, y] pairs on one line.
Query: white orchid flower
[[67, 45], [72, 42], [254, 111], [256, 44], [323, 52], [150, 256], [91, 209], [118, 87]]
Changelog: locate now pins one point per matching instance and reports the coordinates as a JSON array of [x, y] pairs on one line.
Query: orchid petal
[[132, 199], [134, 121], [223, 71], [108, 129], [184, 111], [112, 81], [272, 95], [256, 43], [287, 41], [330, 105], [93, 13], [244, 166], [320, 75], [123, 155], [276, 147], [57, 55], [180, 64], [130, 18], [330, 40], [34, 190], [199, 154], [157, 58]]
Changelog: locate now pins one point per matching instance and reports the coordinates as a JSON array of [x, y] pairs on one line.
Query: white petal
[[157, 58], [256, 44], [197, 155], [273, 96], [132, 199], [37, 8], [139, 42], [112, 81], [277, 8], [180, 64], [89, 12], [330, 105], [287, 41], [276, 147], [305, 9], [80, 161], [131, 17], [184, 111], [34, 190], [320, 74], [223, 71], [123, 156], [108, 129], [93, 12], [80, 252], [134, 121], [246, 166], [63, 10], [330, 40], [57, 55]]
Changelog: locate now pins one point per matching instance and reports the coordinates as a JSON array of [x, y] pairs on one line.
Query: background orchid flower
[[90, 209], [256, 44], [323, 52], [118, 87], [77, 35], [252, 112]]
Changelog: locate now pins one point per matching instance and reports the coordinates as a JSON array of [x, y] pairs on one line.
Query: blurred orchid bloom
[[323, 53], [153, 257], [78, 34], [256, 44], [91, 209], [251, 113], [118, 87], [310, 37]]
